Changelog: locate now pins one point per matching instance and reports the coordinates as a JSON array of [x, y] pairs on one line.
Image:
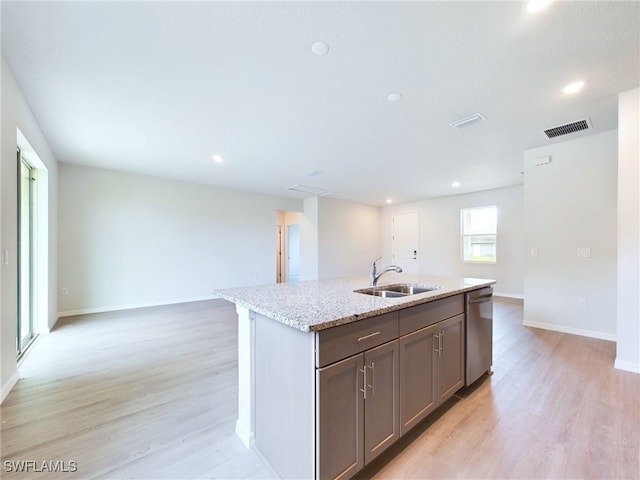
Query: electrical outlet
[[534, 252], [65, 291]]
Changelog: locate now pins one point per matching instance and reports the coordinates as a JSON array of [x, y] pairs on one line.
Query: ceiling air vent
[[318, 192], [467, 120], [568, 128]]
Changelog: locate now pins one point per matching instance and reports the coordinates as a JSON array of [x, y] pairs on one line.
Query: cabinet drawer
[[420, 316], [340, 342]]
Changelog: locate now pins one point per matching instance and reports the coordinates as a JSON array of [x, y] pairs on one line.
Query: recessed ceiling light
[[389, 200], [573, 87], [537, 5], [217, 159], [394, 97], [455, 184], [320, 48]]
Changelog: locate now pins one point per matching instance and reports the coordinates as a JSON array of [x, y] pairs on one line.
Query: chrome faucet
[[374, 275]]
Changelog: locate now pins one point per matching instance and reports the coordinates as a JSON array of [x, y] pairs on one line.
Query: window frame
[[464, 236]]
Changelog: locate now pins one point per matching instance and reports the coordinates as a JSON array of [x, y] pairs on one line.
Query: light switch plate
[[584, 252]]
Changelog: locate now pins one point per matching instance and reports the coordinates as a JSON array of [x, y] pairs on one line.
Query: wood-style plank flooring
[[152, 393]]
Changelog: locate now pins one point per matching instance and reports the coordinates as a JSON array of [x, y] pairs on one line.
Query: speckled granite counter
[[319, 304]]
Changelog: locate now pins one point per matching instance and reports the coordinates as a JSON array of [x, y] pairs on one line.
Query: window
[[478, 227]]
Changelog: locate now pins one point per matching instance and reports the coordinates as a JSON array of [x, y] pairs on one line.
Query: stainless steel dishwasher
[[479, 336]]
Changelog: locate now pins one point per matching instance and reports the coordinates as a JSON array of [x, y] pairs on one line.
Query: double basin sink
[[398, 290]]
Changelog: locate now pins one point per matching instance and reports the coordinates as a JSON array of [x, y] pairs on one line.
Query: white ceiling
[[159, 87]]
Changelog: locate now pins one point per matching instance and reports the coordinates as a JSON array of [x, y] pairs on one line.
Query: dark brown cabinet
[[379, 377], [431, 369], [340, 417], [417, 379], [358, 412], [329, 402], [381, 409], [450, 358]]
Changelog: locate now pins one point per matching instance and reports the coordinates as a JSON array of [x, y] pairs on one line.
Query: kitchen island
[[330, 377]]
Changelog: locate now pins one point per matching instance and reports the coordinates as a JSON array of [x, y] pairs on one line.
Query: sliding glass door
[[25, 330]]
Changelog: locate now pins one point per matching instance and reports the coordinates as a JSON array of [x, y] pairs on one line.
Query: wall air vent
[[568, 128]]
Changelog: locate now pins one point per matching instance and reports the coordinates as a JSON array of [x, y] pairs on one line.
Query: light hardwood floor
[[151, 393]]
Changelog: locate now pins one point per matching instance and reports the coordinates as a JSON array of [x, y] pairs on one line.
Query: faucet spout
[[374, 275]]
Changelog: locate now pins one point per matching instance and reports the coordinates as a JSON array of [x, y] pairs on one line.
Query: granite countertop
[[319, 304]]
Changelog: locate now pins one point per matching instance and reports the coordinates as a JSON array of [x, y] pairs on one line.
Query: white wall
[[348, 238], [309, 240], [338, 238], [570, 203], [16, 114], [628, 299], [439, 237], [129, 240]]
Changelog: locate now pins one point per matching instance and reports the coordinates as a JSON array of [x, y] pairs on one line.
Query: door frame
[[393, 238]]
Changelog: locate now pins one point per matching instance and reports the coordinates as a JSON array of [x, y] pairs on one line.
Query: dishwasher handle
[[480, 298]]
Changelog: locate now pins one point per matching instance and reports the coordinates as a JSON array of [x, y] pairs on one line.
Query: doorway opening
[[292, 248], [288, 246]]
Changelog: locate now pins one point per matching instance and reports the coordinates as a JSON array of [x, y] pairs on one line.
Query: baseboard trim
[[85, 311], [8, 386], [245, 434], [574, 331], [627, 366], [265, 462]]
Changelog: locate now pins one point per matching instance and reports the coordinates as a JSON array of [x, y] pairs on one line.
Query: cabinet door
[[450, 358], [381, 409], [417, 380], [340, 419]]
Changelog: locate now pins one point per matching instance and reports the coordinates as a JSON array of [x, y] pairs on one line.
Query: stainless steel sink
[[398, 290], [383, 293]]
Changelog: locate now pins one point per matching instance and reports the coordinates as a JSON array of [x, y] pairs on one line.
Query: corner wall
[[16, 114], [338, 238], [628, 299], [129, 240], [439, 237], [570, 204], [348, 238], [309, 240]]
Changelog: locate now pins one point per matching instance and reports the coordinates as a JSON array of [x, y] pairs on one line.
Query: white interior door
[[292, 248], [404, 245]]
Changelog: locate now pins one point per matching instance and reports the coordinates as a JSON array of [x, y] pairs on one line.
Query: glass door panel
[[25, 257]]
